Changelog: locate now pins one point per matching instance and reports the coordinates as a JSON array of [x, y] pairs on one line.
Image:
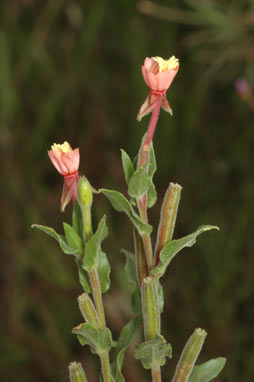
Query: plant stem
[[96, 290], [105, 365], [144, 155], [156, 374], [142, 206]]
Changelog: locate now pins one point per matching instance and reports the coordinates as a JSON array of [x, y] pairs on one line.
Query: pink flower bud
[[158, 75], [66, 161]]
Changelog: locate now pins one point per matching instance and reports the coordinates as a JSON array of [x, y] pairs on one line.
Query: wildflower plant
[[144, 266]]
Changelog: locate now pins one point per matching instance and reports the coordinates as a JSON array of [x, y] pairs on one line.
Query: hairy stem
[[156, 374], [96, 291]]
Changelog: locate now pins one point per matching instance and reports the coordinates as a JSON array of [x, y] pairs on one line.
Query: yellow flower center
[[65, 147], [170, 64]]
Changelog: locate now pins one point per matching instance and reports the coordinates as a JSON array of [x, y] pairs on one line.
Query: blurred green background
[[70, 70]]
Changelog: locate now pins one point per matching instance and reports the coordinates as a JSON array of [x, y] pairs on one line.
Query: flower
[[66, 161], [158, 75]]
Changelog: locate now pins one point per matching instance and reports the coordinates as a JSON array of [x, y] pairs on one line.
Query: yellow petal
[[65, 147]]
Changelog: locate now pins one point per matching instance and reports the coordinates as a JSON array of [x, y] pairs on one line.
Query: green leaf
[[104, 271], [100, 340], [93, 246], [136, 301], [207, 371], [124, 340], [151, 196], [77, 219], [152, 162], [127, 166], [130, 267], [59, 238], [171, 248], [139, 183], [121, 204], [72, 238], [131, 276], [83, 279], [153, 353]]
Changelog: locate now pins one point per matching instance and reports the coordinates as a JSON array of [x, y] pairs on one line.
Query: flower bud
[[76, 372], [150, 306], [168, 217], [88, 310], [189, 356], [85, 194]]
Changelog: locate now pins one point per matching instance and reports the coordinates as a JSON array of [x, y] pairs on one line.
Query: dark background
[[70, 70]]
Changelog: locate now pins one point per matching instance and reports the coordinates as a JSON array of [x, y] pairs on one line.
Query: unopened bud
[[85, 194], [77, 373], [150, 306], [189, 355], [88, 310], [168, 217]]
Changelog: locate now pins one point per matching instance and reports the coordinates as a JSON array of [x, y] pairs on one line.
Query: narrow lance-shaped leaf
[[121, 204], [207, 371], [103, 271], [170, 249], [124, 340], [127, 166], [72, 238], [131, 276], [93, 246], [83, 279], [77, 219], [59, 238]]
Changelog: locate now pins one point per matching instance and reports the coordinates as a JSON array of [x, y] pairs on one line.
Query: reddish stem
[[153, 122]]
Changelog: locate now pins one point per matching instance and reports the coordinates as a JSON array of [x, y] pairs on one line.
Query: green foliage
[[139, 183], [127, 166], [123, 342], [72, 237], [153, 353], [207, 371], [93, 246], [77, 219], [60, 239], [83, 279], [170, 249], [121, 204], [131, 276], [104, 271], [100, 340]]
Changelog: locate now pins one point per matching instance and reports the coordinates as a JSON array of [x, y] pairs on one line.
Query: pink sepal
[[69, 189], [150, 102]]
